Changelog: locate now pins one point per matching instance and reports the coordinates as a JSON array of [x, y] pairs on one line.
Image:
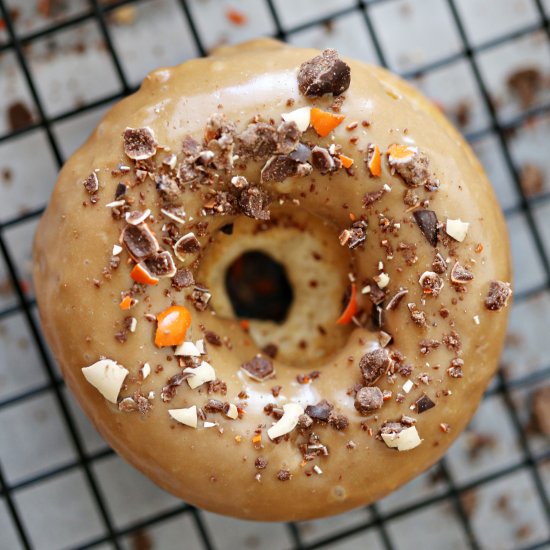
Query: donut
[[277, 281]]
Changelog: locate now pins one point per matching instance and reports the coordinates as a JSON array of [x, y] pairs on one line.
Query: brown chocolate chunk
[[424, 403], [338, 421], [214, 406], [417, 316], [139, 143], [140, 241], [322, 160], [280, 167], [167, 188], [428, 345], [431, 283], [415, 171], [183, 279], [260, 463], [257, 142], [91, 184], [374, 365], [369, 399], [355, 235], [376, 294], [371, 198], [120, 191], [270, 350], [288, 137], [455, 369], [427, 223], [460, 275], [259, 368], [212, 338], [169, 391], [200, 298], [452, 341], [396, 299], [439, 265], [254, 203], [161, 264], [188, 244], [321, 411], [324, 74], [392, 428], [498, 295], [136, 403], [284, 475], [304, 422], [221, 203]]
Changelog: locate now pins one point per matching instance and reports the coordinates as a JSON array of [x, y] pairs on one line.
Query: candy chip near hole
[[107, 377]]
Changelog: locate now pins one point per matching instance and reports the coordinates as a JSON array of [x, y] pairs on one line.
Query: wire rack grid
[[377, 521]]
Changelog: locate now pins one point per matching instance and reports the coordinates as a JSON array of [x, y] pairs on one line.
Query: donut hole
[[258, 287]]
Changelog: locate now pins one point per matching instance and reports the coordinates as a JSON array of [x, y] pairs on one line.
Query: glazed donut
[[275, 280]]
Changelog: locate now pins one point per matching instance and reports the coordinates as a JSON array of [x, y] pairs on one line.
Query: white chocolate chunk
[[106, 376], [199, 344], [232, 412], [145, 371], [185, 416], [300, 116], [116, 250], [187, 349], [405, 440], [408, 386], [289, 420], [209, 424], [382, 280], [457, 229], [202, 374]]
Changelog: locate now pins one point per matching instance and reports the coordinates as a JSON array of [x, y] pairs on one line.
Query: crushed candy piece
[[289, 420], [107, 377], [200, 375], [172, 325], [498, 295], [457, 229], [324, 122], [403, 440], [139, 143], [300, 117], [324, 74], [186, 416]]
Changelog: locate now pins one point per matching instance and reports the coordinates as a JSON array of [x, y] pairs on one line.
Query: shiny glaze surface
[[202, 466]]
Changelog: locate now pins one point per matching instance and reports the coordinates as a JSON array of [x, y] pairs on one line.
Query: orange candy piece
[[125, 303], [351, 308], [324, 122], [400, 152], [141, 275], [172, 325], [346, 161], [374, 164]]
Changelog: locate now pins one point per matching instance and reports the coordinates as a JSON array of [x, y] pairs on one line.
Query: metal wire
[[98, 12]]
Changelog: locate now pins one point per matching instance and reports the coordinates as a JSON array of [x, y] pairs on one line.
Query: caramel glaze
[[202, 466]]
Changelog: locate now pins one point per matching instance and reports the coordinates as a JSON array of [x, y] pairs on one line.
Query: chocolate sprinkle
[[183, 279], [498, 295], [427, 223], [374, 364], [254, 203], [324, 74], [280, 167], [321, 411], [424, 403], [369, 399], [91, 184], [460, 275], [140, 241], [139, 143], [259, 368]]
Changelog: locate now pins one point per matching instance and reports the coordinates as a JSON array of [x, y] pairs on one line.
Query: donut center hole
[[258, 287]]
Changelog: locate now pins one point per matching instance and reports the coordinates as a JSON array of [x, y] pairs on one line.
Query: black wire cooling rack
[[454, 493]]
